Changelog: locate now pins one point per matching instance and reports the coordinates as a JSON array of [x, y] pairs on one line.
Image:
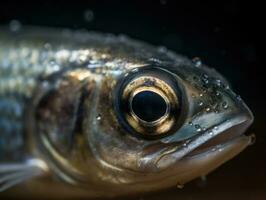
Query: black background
[[227, 35]]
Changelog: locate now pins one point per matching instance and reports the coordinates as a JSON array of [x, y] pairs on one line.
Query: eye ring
[[159, 84]]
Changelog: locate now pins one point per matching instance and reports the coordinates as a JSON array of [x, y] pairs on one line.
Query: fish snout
[[222, 139]]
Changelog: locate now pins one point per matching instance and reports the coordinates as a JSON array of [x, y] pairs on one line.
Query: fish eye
[[143, 104], [149, 102]]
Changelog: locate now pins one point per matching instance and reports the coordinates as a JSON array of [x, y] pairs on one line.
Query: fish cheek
[[63, 124], [57, 113], [106, 116], [113, 144]]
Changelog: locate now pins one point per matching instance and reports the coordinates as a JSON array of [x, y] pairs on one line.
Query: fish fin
[[12, 174]]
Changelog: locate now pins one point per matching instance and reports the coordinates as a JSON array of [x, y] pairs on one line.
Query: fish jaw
[[204, 156], [191, 167], [213, 138]]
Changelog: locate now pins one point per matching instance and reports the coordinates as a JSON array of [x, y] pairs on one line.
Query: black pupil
[[148, 106]]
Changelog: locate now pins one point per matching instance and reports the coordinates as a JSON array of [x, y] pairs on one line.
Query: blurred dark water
[[225, 35]]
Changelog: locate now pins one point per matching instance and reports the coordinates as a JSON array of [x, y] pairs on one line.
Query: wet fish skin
[[56, 104], [24, 60]]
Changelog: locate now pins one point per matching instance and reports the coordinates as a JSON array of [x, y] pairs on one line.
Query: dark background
[[225, 35]]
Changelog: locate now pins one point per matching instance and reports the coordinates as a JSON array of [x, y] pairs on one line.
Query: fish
[[89, 114]]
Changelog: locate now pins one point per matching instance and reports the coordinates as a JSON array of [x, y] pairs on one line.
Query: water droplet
[[88, 15], [215, 128], [190, 123], [200, 103], [201, 95], [180, 186], [184, 144], [210, 132], [205, 81], [238, 97], [218, 82], [217, 94], [135, 70], [51, 62], [15, 26], [198, 128], [82, 59], [205, 76], [197, 61], [99, 117], [156, 60], [207, 109], [225, 105], [54, 66]]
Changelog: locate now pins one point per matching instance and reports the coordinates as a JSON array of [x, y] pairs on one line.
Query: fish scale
[[19, 69], [14, 94], [11, 126], [22, 62]]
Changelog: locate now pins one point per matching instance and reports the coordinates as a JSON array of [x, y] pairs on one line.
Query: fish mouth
[[224, 138], [207, 152], [218, 138]]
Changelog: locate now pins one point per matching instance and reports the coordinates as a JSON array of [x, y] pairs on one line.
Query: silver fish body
[[68, 105]]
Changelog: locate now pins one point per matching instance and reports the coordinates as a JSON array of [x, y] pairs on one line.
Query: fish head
[[141, 127]]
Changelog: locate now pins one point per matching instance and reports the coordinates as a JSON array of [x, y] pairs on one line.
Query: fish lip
[[242, 125], [188, 149], [221, 146]]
